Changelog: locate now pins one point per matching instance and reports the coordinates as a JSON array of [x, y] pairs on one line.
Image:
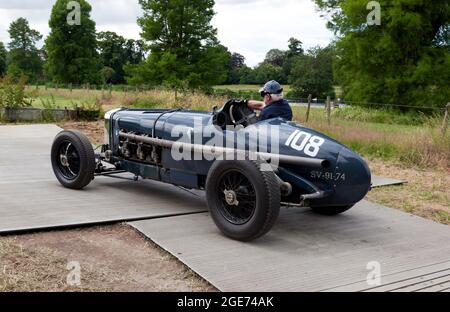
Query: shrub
[[12, 93]]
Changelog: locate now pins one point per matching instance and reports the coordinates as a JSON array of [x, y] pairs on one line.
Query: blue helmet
[[272, 87]]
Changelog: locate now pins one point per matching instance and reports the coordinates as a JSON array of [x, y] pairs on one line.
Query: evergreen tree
[[71, 48], [184, 51], [24, 57]]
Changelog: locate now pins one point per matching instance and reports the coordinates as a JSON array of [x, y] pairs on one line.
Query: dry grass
[[426, 194], [28, 270], [111, 258]]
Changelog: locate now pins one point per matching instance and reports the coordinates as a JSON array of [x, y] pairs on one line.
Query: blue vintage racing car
[[249, 169]]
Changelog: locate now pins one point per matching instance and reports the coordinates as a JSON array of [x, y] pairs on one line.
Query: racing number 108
[[303, 141]]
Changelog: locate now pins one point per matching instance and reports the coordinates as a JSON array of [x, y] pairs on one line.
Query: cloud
[[249, 27], [253, 27]]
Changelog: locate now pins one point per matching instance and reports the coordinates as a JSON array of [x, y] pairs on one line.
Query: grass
[[28, 270], [426, 193], [384, 116]]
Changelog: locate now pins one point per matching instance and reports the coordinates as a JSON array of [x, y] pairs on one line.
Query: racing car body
[[248, 168]]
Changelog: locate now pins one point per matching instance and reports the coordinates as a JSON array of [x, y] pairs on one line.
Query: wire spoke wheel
[[237, 196], [69, 160], [73, 159], [243, 199]]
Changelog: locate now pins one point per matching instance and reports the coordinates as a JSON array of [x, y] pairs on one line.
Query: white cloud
[[249, 27]]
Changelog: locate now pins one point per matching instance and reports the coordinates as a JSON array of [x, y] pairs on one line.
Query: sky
[[248, 27]]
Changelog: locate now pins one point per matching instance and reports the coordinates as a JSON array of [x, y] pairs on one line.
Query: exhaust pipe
[[221, 151]]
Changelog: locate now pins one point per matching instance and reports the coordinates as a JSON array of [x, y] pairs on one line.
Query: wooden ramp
[[32, 199], [307, 252]]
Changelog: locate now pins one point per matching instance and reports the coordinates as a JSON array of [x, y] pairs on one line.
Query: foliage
[[312, 73], [24, 58], [12, 93], [71, 49], [277, 65], [275, 57], [266, 72], [3, 58], [235, 68], [115, 52], [183, 45], [107, 74], [405, 60]]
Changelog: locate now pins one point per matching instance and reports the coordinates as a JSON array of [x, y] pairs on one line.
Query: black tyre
[[73, 159], [244, 201], [331, 211]]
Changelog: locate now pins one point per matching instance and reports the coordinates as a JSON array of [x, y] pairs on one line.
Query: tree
[[108, 74], [3, 56], [184, 51], [116, 51], [71, 48], [265, 72], [295, 48], [313, 74], [247, 75], [112, 56], [275, 57], [134, 51], [24, 56], [234, 67], [405, 60], [237, 61]]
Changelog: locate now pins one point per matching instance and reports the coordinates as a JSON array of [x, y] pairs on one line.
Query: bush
[[12, 93]]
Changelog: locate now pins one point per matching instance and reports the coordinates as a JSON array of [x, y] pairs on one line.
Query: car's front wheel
[[243, 199], [73, 159]]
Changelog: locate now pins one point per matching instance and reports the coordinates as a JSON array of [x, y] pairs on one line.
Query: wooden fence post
[[308, 110], [328, 110], [446, 119]]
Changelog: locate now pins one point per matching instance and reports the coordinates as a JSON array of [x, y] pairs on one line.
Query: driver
[[273, 105]]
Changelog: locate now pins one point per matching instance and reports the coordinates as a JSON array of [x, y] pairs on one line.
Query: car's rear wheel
[[73, 159], [331, 211], [243, 199]]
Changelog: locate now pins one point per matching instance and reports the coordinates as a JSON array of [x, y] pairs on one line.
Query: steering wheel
[[242, 115]]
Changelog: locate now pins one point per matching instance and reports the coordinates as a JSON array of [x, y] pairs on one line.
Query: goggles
[[264, 93]]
